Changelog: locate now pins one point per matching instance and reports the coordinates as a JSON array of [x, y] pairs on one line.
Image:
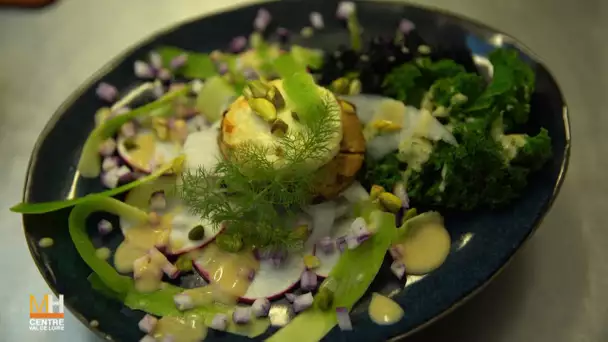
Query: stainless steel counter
[[554, 291]]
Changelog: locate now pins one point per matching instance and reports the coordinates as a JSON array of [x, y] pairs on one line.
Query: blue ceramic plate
[[483, 241]]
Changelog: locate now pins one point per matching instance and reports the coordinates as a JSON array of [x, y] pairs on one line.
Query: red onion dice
[[345, 9], [396, 252], [110, 179], [290, 297], [238, 44], [398, 269], [302, 302], [106, 92], [326, 245], [178, 61], [241, 315], [155, 60], [308, 281], [164, 74], [104, 227], [183, 302], [158, 201], [341, 243], [353, 242], [406, 26], [316, 20], [143, 70], [158, 90], [261, 307], [343, 319], [147, 323], [196, 85], [262, 20], [109, 163], [123, 171], [219, 322], [107, 147], [127, 130]]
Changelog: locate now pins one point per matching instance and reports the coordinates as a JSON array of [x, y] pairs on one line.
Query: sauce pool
[[383, 310]]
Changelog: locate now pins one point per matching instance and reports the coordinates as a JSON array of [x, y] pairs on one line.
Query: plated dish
[[272, 190]]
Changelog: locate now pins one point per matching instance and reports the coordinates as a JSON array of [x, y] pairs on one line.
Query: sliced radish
[[273, 282], [323, 217], [425, 245], [269, 281], [148, 152], [328, 261], [181, 220], [201, 149]]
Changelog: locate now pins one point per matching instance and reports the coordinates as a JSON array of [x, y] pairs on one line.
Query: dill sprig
[[257, 199]]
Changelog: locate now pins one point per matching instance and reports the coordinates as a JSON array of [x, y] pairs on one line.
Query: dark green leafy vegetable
[[410, 81], [457, 91], [509, 91], [385, 172], [198, 65], [474, 173]]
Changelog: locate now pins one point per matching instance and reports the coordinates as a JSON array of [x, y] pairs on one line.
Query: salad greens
[[109, 282], [350, 279], [490, 164], [46, 207], [89, 164], [198, 65]]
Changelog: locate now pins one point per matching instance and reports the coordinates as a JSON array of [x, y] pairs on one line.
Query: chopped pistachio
[[197, 233], [375, 191], [458, 99], [264, 108], [130, 144], [311, 261], [159, 125], [295, 116], [257, 88], [391, 202], [45, 242], [300, 232], [386, 126], [279, 128], [274, 95], [229, 243], [424, 49], [355, 87], [184, 263], [340, 86]]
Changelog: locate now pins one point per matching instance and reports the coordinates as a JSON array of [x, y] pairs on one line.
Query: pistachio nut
[[130, 144], [264, 108], [354, 88], [274, 96], [300, 232], [184, 263], [257, 88], [311, 261], [279, 128], [159, 125], [340, 86], [391, 202], [375, 191], [295, 116], [386, 126], [197, 233]]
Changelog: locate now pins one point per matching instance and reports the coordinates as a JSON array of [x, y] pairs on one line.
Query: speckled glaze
[[483, 241]]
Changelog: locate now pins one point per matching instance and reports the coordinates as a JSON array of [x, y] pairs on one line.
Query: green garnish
[[89, 164], [198, 65], [46, 207], [256, 197], [213, 98], [348, 281], [354, 28], [109, 282]]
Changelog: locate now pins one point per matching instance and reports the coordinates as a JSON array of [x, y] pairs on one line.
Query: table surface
[[554, 290]]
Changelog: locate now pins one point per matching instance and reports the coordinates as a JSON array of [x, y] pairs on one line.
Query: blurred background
[[554, 290]]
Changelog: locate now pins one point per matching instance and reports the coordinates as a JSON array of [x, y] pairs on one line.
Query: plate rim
[[118, 58]]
